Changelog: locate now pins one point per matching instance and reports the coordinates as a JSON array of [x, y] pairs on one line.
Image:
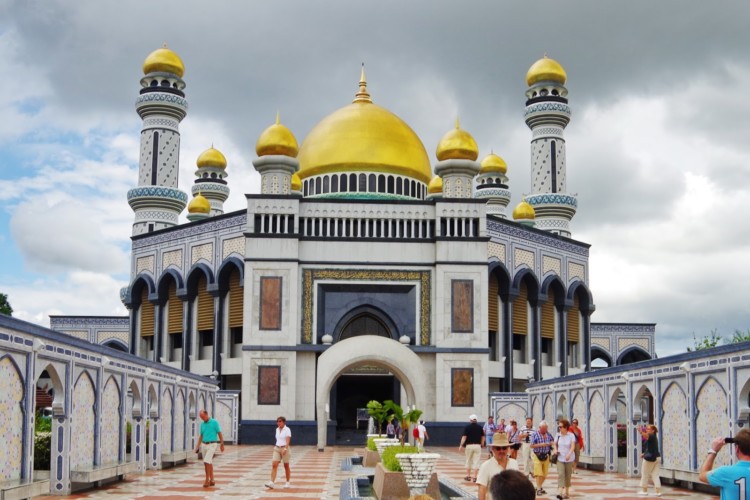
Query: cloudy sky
[[657, 149]]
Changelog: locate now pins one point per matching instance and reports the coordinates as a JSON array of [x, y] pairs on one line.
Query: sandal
[[212, 483], [467, 478], [206, 485]]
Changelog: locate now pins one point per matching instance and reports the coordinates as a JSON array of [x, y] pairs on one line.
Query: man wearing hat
[[473, 440], [499, 462]]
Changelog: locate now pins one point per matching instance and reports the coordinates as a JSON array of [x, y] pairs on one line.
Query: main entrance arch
[[366, 350]]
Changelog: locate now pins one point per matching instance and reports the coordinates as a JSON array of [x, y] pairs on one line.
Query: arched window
[[362, 183], [307, 186], [325, 184], [353, 182], [381, 183], [399, 185], [317, 185], [372, 187], [343, 183], [391, 188]]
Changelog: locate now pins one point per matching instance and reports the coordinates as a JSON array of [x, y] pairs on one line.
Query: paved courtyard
[[242, 470]]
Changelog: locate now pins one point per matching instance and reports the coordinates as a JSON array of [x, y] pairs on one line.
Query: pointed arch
[[143, 280], [633, 354], [82, 422], [167, 420], [711, 416], [110, 421], [528, 277], [226, 268], [596, 423], [388, 328], [674, 421], [137, 405], [599, 353]]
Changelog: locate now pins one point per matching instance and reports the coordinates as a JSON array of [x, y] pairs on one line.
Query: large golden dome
[[457, 144], [363, 137], [436, 185], [546, 69], [277, 140], [163, 60]]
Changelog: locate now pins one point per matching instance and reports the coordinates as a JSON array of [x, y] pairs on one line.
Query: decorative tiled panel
[[596, 425], [233, 245], [551, 264], [604, 343], [205, 252], [145, 264], [674, 427], [496, 250], [110, 422], [521, 256], [536, 409], [173, 258], [79, 334], [623, 343], [166, 421], [549, 410], [512, 411], [712, 418], [179, 422], [11, 420], [579, 412], [224, 417], [104, 336], [82, 424], [576, 270]]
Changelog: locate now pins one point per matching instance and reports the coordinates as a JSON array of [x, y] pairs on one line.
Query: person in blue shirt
[[210, 437], [734, 480]]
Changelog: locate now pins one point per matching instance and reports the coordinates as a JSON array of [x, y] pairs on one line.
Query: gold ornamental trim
[[309, 276]]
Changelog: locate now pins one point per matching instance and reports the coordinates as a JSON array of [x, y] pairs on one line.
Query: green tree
[[5, 305], [378, 412], [740, 336], [406, 418], [706, 342]]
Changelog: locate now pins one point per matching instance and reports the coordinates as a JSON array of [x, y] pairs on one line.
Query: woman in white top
[[565, 449]]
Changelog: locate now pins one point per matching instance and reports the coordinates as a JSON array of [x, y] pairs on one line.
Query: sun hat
[[500, 439]]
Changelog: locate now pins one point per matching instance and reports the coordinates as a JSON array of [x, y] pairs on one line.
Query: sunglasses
[[496, 448]]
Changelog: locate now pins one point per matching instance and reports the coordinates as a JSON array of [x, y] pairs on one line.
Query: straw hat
[[500, 439]]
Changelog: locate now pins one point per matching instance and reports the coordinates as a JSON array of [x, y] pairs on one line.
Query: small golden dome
[[364, 137], [211, 158], [199, 205], [493, 163], [523, 211], [163, 60], [277, 140], [296, 183], [457, 145], [436, 185], [546, 69]]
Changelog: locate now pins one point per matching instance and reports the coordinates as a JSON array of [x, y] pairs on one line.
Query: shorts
[[541, 467], [208, 450], [488, 439], [473, 456], [279, 457]]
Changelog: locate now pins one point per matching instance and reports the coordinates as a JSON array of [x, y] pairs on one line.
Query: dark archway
[[633, 354], [365, 320]]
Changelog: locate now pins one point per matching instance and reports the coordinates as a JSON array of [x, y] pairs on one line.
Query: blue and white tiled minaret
[[156, 201], [547, 114]]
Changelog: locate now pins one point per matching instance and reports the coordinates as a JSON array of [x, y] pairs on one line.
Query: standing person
[[514, 436], [489, 430], [734, 480], [281, 453], [541, 446], [423, 436], [473, 439], [578, 433], [499, 462], [650, 463], [511, 485], [210, 436], [526, 432], [390, 430], [565, 445]]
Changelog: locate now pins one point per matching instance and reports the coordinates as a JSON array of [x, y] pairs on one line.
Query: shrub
[[371, 444], [390, 462], [42, 423], [42, 450]]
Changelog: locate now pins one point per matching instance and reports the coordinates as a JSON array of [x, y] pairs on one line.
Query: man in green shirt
[[210, 437]]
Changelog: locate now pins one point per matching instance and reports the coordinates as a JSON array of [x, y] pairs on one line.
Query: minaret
[[277, 159], [156, 201], [212, 170], [547, 114], [492, 184], [457, 152]]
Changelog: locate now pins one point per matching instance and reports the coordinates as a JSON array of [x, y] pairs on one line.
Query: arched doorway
[[365, 351]]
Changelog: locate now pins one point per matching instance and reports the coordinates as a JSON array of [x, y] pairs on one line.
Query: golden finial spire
[[362, 95], [278, 117], [458, 123]]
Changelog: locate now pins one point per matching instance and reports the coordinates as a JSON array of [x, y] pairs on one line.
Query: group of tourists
[[535, 448]]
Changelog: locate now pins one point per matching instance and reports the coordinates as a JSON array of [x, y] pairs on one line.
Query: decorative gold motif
[[309, 276]]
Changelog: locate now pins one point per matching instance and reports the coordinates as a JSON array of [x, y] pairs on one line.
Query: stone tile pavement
[[242, 470]]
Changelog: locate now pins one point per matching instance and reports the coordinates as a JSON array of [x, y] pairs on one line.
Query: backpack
[[415, 432]]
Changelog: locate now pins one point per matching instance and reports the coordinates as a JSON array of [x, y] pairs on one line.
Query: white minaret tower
[[156, 201], [547, 115]]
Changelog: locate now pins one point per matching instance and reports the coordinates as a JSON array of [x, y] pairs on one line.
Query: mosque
[[361, 270]]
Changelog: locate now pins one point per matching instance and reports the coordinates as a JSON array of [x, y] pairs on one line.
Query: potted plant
[[391, 481], [406, 418], [378, 412]]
